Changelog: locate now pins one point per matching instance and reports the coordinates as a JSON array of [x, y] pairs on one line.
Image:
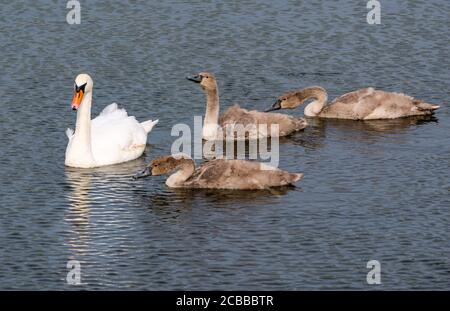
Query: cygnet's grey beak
[[145, 173], [196, 78], [276, 106]]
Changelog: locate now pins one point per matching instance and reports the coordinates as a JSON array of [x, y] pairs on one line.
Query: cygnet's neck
[[210, 124], [320, 99], [185, 168]]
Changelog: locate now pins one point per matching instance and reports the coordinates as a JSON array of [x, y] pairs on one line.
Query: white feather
[[114, 136], [69, 133]]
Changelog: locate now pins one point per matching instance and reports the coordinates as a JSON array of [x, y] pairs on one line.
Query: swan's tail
[[426, 107], [148, 125], [296, 177], [300, 124]]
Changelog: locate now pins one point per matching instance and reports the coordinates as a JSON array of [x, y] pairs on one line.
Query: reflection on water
[[78, 213], [312, 137], [188, 198], [105, 185], [368, 131], [394, 126]]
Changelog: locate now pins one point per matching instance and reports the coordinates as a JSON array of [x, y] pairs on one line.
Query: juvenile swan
[[364, 104], [236, 118], [112, 137], [218, 174]]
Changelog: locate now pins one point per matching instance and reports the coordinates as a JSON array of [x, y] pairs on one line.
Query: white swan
[[112, 137]]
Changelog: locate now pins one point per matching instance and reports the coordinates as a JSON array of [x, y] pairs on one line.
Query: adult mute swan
[[258, 123], [218, 174], [363, 104], [112, 137]]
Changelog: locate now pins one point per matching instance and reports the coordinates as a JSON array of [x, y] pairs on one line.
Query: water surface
[[372, 190]]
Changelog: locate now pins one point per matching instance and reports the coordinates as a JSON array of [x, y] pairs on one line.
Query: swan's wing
[[353, 105], [236, 119], [239, 174], [375, 104], [286, 124], [354, 97], [109, 113], [223, 174], [390, 105], [237, 115], [211, 171], [124, 132], [109, 109], [117, 137]]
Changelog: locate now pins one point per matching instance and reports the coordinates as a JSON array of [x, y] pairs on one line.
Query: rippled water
[[372, 190]]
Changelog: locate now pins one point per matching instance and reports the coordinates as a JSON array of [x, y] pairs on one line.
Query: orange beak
[[77, 98]]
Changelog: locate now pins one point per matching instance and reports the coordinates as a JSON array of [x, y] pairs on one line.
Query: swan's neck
[[186, 168], [82, 137], [83, 125], [211, 121], [315, 107]]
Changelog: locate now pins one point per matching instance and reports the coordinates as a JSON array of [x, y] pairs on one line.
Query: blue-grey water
[[372, 190]]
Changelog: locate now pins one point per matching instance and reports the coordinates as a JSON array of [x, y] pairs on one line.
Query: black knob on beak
[[146, 172], [196, 78], [276, 106]]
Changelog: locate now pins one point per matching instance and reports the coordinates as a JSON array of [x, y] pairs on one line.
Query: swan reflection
[[102, 186]]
